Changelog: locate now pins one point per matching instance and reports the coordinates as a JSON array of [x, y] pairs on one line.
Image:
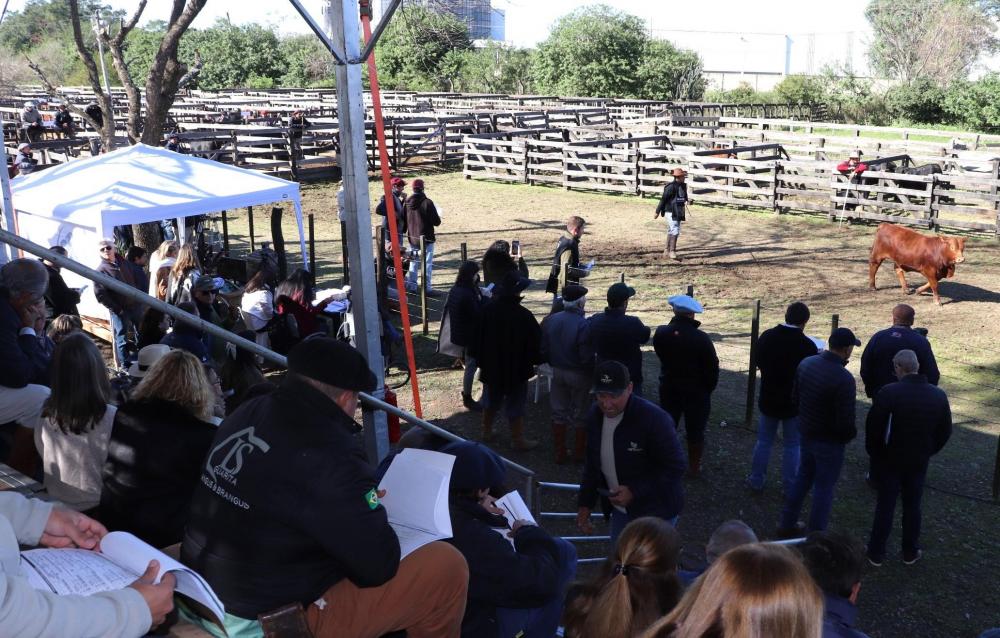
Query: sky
[[730, 35]]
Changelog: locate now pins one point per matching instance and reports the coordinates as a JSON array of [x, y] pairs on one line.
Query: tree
[[975, 105], [235, 54], [800, 89], [413, 46], [308, 62], [935, 39], [42, 21], [920, 100], [494, 68], [667, 72]]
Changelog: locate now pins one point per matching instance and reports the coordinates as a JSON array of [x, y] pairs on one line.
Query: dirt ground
[[733, 258]]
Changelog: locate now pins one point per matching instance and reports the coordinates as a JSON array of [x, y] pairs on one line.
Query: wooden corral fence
[[762, 175]]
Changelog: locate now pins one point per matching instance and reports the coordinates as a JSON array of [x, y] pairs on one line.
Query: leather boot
[[488, 417], [694, 459], [672, 247], [559, 442], [579, 445], [517, 440]]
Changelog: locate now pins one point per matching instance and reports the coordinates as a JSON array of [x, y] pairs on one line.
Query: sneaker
[[909, 559], [874, 561]]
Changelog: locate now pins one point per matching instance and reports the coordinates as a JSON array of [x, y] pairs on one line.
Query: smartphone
[[515, 248]]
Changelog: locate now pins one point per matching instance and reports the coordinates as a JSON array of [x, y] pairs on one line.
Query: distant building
[[482, 20]]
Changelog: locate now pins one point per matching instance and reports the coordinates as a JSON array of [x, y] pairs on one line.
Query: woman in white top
[[257, 306], [159, 268], [77, 417]]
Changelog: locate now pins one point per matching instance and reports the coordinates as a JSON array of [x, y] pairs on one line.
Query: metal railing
[[367, 400], [573, 488]]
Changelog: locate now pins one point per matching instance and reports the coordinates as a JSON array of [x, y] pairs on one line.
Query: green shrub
[[917, 101]]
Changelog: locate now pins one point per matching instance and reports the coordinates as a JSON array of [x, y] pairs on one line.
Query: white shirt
[[258, 308], [608, 428]]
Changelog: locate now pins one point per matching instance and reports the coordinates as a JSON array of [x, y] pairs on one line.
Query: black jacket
[[60, 299], [824, 391], [25, 358], [920, 423], [155, 456], [779, 352], [286, 505], [648, 460], [876, 360], [508, 346], [421, 218], [688, 363], [496, 264], [465, 310], [113, 301], [64, 118], [672, 201], [568, 253], [619, 337], [397, 206], [499, 576]]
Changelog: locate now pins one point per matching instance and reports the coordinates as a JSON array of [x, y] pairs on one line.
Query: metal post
[[312, 246], [344, 31], [8, 203], [250, 222], [752, 371], [423, 286], [834, 323], [621, 278], [380, 259], [344, 255], [465, 252], [690, 290], [225, 233], [98, 23]]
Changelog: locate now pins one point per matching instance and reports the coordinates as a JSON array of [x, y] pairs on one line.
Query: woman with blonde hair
[[158, 444], [72, 437], [753, 591], [160, 264], [183, 275], [637, 585]]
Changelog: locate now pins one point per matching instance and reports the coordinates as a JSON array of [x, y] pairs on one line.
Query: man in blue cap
[[689, 372], [825, 393], [619, 337], [515, 588]]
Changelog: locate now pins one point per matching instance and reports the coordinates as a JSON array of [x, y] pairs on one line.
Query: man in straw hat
[[674, 206]]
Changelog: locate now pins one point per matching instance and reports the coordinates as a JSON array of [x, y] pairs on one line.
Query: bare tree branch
[[192, 72], [116, 46], [108, 130]]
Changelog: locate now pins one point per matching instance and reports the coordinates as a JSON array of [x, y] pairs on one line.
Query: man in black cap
[[288, 512], [517, 579], [566, 346], [620, 337], [825, 393], [634, 460], [779, 351]]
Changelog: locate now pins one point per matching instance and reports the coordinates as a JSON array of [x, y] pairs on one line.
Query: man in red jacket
[[853, 168]]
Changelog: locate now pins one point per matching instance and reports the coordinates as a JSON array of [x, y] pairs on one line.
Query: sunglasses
[[105, 249]]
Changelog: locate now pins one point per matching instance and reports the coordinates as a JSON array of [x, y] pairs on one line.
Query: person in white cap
[[31, 123], [689, 372], [23, 161]]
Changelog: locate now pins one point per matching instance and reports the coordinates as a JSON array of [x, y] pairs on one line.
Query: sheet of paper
[[514, 508], [416, 498], [73, 571], [412, 539]]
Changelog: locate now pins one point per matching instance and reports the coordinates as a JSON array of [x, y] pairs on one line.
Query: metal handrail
[[251, 346]]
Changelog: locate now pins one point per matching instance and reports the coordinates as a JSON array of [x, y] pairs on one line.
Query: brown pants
[[426, 597]]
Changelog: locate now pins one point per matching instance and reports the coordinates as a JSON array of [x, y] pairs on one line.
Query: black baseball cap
[[611, 377], [842, 337], [619, 293], [333, 362]]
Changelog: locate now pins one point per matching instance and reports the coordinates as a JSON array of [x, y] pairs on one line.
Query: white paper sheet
[[416, 498]]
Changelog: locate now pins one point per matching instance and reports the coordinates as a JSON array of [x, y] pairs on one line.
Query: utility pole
[[342, 22]]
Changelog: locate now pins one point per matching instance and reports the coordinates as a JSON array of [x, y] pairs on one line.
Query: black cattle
[[922, 170]]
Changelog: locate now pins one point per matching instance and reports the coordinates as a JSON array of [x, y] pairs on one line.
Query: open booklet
[[416, 498], [514, 509], [119, 563]]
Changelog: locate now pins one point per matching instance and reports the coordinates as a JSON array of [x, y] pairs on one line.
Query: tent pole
[[8, 254]]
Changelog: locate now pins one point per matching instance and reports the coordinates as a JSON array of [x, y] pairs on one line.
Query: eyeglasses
[[105, 249]]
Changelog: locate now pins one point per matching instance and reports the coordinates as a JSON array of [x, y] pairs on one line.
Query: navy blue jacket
[[565, 343], [825, 392], [648, 460], [921, 422], [839, 617], [184, 337], [24, 359], [465, 310], [508, 346], [499, 576], [779, 352], [876, 360], [619, 337], [688, 363]]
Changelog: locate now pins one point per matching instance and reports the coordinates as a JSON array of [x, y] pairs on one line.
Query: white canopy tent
[[76, 204]]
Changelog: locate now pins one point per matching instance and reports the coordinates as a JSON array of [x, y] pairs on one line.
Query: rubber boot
[[488, 417], [672, 247], [559, 442], [517, 440], [694, 459], [579, 445]]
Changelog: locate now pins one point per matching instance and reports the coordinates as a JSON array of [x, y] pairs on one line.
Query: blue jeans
[[120, 327], [620, 520], [892, 482], [766, 431], [471, 365], [541, 622], [819, 470], [412, 277]]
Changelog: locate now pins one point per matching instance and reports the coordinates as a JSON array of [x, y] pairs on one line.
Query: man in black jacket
[[910, 421], [779, 352], [507, 349], [398, 197], [60, 299], [421, 218], [120, 307], [825, 391], [617, 336], [288, 512], [634, 460], [64, 121], [689, 372], [517, 578], [567, 257], [674, 206]]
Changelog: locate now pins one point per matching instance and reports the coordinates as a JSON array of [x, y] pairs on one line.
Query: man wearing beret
[[825, 393], [287, 512], [689, 372], [566, 346], [517, 577], [617, 336], [398, 197], [634, 460]]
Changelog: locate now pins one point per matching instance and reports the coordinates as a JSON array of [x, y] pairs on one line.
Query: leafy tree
[[234, 54], [800, 89], [935, 39], [307, 61], [742, 93], [42, 21], [413, 46], [494, 68], [667, 72], [975, 105], [918, 101]]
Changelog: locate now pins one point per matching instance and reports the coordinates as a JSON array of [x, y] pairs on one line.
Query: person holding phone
[[567, 256], [674, 206]]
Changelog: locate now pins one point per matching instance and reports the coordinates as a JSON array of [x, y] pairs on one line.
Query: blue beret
[[684, 303]]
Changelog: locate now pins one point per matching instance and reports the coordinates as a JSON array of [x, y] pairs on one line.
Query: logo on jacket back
[[227, 458], [633, 447]]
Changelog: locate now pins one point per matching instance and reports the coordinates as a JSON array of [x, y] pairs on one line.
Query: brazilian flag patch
[[372, 498]]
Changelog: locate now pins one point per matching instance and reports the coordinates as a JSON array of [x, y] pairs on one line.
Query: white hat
[[684, 303], [147, 357], [29, 105], [22, 146], [855, 153]]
